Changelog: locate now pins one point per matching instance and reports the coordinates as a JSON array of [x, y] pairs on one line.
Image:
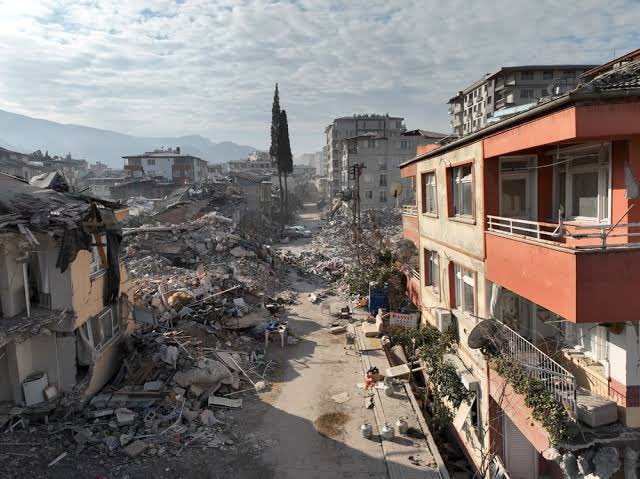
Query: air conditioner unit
[[443, 320]]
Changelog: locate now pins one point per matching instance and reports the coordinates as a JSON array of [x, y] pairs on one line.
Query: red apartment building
[[529, 230]]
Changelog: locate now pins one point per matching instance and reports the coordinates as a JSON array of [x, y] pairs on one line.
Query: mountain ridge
[[27, 134]]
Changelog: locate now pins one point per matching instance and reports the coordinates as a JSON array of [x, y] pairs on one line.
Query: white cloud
[[168, 68]]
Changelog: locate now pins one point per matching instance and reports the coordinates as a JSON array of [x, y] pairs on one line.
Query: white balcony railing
[[582, 236], [415, 274], [410, 210], [539, 365]]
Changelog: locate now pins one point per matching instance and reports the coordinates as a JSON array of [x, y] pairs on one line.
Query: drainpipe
[[25, 277]]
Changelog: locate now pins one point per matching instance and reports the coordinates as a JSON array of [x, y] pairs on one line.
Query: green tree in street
[[285, 159], [275, 136]]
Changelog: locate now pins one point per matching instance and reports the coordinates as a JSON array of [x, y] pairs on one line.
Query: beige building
[[64, 294], [508, 90]]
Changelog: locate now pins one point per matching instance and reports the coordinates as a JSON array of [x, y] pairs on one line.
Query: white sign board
[[406, 320]]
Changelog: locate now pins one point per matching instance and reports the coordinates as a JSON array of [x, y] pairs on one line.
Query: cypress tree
[[275, 136], [285, 159]]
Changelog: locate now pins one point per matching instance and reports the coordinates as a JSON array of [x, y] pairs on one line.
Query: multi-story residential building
[[343, 128], [257, 162], [508, 89], [527, 233], [64, 303], [169, 164], [380, 153]]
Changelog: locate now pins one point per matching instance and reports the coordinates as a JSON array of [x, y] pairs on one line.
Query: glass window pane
[[466, 199], [514, 197], [96, 333], [458, 292], [468, 298], [584, 196], [562, 193]]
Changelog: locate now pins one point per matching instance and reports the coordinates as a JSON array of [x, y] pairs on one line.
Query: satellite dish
[[396, 189], [485, 333]]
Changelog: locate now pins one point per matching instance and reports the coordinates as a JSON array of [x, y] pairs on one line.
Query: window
[[589, 338], [95, 263], [543, 93], [383, 179], [368, 194], [371, 143], [568, 74], [404, 144], [431, 270], [429, 201], [547, 75], [582, 184], [151, 161], [382, 163], [383, 196], [489, 100], [464, 282], [100, 329], [526, 93], [462, 191], [526, 75]]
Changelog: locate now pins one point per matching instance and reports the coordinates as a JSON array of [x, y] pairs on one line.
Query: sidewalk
[[413, 456]]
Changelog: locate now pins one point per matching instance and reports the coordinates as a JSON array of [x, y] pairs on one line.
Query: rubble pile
[[333, 246], [174, 391]]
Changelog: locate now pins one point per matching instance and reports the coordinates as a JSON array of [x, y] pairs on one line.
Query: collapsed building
[[63, 292]]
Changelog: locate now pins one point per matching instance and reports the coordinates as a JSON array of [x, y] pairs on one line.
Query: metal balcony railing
[[410, 210], [539, 365], [582, 236], [415, 274]]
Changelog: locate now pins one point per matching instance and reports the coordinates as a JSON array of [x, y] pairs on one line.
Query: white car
[[297, 232]]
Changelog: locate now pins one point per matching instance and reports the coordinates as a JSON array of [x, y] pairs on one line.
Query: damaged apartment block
[[63, 303]]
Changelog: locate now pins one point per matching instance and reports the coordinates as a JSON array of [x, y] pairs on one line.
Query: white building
[[169, 164]]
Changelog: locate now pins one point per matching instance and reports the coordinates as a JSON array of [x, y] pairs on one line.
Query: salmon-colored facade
[[547, 248]]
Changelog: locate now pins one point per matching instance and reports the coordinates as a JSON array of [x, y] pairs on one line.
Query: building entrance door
[[521, 457]]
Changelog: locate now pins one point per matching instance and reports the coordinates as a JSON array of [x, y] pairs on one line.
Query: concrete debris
[[341, 398], [631, 463], [136, 448], [125, 417], [338, 329], [169, 354], [606, 462]]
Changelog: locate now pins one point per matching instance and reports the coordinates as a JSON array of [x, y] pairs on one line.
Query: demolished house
[[63, 292]]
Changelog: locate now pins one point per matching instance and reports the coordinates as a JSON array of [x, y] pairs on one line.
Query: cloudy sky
[[173, 67]]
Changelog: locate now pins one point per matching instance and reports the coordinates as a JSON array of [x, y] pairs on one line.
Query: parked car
[[297, 232]]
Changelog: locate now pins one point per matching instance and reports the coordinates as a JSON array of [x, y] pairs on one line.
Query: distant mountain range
[[26, 134]]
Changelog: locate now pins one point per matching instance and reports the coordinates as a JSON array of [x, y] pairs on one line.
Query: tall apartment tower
[[509, 91], [380, 142]]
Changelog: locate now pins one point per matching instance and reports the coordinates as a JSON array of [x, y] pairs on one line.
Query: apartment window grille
[[464, 282], [151, 161], [431, 270], [429, 198]]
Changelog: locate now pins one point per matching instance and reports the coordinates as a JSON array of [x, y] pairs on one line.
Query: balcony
[[584, 273], [410, 229], [557, 380], [409, 210]]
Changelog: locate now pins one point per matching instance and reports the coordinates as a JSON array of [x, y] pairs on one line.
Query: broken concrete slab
[[125, 417], [338, 329], [101, 413], [341, 398], [225, 402], [153, 386], [136, 448], [240, 252]]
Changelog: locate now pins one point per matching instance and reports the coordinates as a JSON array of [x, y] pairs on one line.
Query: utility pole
[[356, 171]]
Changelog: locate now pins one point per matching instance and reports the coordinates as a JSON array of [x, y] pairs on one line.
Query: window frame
[[462, 275], [429, 191], [385, 183], [432, 270], [95, 262], [96, 322], [566, 170], [456, 192], [383, 197]]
